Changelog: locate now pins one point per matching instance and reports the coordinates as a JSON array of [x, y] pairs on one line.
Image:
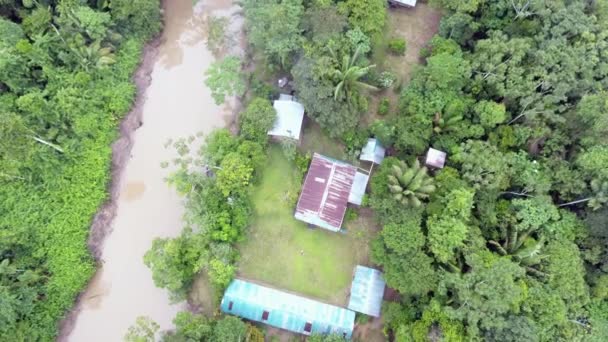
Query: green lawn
[[284, 253], [315, 140]]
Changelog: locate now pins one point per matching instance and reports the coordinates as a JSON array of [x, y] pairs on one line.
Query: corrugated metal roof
[[367, 291], [373, 151], [358, 190], [325, 192], [435, 158], [289, 119], [286, 311]]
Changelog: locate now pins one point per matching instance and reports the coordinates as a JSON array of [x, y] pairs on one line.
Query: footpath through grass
[[284, 253]]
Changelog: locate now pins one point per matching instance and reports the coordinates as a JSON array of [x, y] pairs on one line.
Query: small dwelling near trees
[[328, 188], [290, 115], [286, 311], [405, 3], [367, 291], [435, 158], [373, 151], [358, 190]]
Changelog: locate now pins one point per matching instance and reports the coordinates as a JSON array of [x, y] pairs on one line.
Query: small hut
[[367, 291], [435, 158], [290, 115], [357, 191], [404, 3], [373, 151]]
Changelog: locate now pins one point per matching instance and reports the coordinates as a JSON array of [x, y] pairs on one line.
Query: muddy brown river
[[177, 104]]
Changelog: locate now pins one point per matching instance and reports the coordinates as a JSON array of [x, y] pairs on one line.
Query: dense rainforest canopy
[[65, 82], [511, 245]]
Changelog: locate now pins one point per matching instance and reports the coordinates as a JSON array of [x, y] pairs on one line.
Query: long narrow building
[[285, 310]]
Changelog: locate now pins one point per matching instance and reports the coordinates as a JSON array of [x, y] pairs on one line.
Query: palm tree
[[410, 185], [525, 250], [445, 122], [348, 74], [96, 56]]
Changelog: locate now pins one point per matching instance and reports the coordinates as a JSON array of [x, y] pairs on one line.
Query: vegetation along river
[[176, 104]]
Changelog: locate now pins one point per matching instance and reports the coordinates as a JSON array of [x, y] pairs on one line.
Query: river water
[[177, 104]]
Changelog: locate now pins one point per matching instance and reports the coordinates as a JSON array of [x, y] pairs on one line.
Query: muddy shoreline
[[102, 224], [121, 151]]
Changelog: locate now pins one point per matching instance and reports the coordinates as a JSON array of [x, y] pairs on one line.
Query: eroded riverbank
[[172, 102]]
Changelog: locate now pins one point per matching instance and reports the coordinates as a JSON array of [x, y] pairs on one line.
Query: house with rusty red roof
[[328, 188]]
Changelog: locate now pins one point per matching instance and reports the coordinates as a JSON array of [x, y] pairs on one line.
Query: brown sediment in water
[[171, 102], [121, 149]]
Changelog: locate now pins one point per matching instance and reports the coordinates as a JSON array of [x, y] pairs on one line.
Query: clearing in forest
[[284, 253]]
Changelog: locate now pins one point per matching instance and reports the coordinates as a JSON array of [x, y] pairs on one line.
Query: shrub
[[397, 46], [257, 119], [302, 162], [355, 139], [289, 147], [368, 15], [224, 79], [384, 106], [260, 88], [216, 28], [362, 318], [351, 215], [383, 131], [254, 334], [386, 79]]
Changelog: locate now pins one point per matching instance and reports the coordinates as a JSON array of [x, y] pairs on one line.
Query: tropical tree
[[229, 328], [96, 56], [257, 119], [348, 74], [410, 185], [277, 38], [189, 327], [316, 93], [234, 174], [224, 79], [368, 15], [144, 330]]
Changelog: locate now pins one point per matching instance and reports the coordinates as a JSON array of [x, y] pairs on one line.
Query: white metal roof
[[367, 291], [358, 190], [435, 158], [373, 151], [411, 3], [289, 119]]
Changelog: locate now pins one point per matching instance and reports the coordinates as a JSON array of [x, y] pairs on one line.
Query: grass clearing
[[315, 140], [284, 253], [417, 26], [204, 296]]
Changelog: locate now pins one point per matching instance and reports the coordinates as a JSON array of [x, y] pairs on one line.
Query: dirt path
[[172, 102]]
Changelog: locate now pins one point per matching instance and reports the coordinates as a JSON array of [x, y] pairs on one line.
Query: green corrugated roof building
[[367, 291], [286, 311], [373, 151]]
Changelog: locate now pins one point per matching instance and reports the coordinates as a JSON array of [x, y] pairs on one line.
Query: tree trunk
[[512, 240], [575, 202], [536, 272], [42, 141], [516, 193]]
